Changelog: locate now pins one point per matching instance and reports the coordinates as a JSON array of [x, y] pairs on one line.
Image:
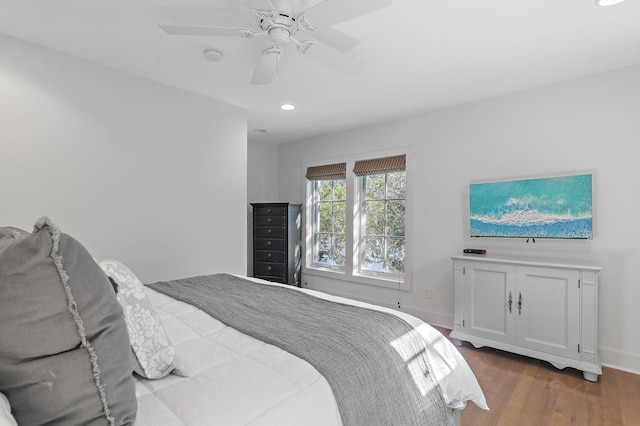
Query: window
[[356, 222], [329, 215], [380, 216], [382, 223], [329, 230]]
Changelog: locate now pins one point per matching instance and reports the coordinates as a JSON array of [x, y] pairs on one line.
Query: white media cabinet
[[545, 309]]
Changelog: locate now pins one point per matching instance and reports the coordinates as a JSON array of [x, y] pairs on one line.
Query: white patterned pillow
[[154, 354], [6, 419]]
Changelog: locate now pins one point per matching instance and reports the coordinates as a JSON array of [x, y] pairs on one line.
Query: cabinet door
[[548, 310], [489, 301]]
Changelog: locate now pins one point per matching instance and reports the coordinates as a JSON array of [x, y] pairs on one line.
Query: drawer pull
[[269, 268], [269, 255], [268, 243], [269, 210], [268, 220], [269, 231]]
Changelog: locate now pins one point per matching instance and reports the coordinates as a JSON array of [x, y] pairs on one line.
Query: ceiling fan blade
[[333, 12], [296, 5], [208, 31], [210, 17], [329, 57], [267, 66], [335, 38]]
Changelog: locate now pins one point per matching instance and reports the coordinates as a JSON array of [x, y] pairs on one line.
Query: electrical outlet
[[427, 293]]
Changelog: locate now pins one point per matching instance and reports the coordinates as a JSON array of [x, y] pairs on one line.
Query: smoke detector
[[213, 55]]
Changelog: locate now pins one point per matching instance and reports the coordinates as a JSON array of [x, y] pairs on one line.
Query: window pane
[[340, 217], [395, 254], [374, 186], [325, 190], [374, 217], [395, 218], [338, 249], [326, 217], [373, 254], [340, 190], [396, 183], [324, 249]]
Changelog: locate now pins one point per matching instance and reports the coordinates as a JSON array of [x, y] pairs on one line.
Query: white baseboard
[[609, 357], [620, 360]]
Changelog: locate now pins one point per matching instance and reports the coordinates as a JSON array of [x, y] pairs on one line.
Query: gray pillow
[[9, 231], [65, 356]]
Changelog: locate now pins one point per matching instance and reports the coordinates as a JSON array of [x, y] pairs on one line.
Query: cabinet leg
[[592, 377], [456, 342]]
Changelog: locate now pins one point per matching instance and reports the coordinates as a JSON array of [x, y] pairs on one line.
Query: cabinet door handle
[[520, 304], [510, 301], [268, 220]]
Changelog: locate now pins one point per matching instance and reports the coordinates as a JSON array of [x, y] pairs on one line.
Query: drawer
[[269, 220], [269, 256], [270, 210], [269, 244], [269, 231], [281, 280], [270, 269]]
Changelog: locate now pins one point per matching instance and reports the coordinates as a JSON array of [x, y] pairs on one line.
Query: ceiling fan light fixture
[[279, 36], [605, 3], [287, 107]]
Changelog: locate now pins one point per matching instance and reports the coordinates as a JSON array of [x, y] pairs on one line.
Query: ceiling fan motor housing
[[280, 28]]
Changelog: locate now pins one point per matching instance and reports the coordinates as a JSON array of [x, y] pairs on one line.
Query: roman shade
[[380, 165], [327, 172]]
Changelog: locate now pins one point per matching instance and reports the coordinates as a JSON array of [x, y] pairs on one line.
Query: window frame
[[315, 214], [360, 232], [350, 271]]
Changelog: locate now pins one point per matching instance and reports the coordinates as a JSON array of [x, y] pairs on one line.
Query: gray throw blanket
[[373, 361]]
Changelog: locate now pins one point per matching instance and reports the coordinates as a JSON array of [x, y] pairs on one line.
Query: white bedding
[[234, 379]]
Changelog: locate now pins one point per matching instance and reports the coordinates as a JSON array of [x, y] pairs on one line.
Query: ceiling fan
[[303, 23]]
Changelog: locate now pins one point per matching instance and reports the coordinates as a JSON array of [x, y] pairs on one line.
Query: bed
[[213, 350]]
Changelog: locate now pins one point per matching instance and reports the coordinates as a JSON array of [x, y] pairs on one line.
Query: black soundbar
[[474, 251]]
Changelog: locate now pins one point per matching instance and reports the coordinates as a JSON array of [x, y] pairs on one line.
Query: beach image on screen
[[555, 207]]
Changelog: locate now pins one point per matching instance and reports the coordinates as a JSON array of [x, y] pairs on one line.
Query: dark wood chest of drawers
[[276, 242]]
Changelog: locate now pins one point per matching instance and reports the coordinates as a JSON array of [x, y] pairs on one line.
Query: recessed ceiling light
[[287, 107], [608, 2]]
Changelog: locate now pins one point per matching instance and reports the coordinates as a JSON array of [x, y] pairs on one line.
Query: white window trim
[[310, 219], [349, 273], [357, 237]]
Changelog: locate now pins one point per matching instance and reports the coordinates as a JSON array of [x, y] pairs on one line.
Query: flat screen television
[[550, 207]]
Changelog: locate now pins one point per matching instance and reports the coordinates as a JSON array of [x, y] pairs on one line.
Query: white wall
[[588, 124], [262, 162], [137, 171]]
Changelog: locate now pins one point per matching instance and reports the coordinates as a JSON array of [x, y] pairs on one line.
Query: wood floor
[[525, 391]]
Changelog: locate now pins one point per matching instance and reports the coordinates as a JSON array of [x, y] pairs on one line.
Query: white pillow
[[6, 419], [154, 354]]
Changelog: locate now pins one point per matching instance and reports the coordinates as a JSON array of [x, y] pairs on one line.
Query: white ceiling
[[419, 55]]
